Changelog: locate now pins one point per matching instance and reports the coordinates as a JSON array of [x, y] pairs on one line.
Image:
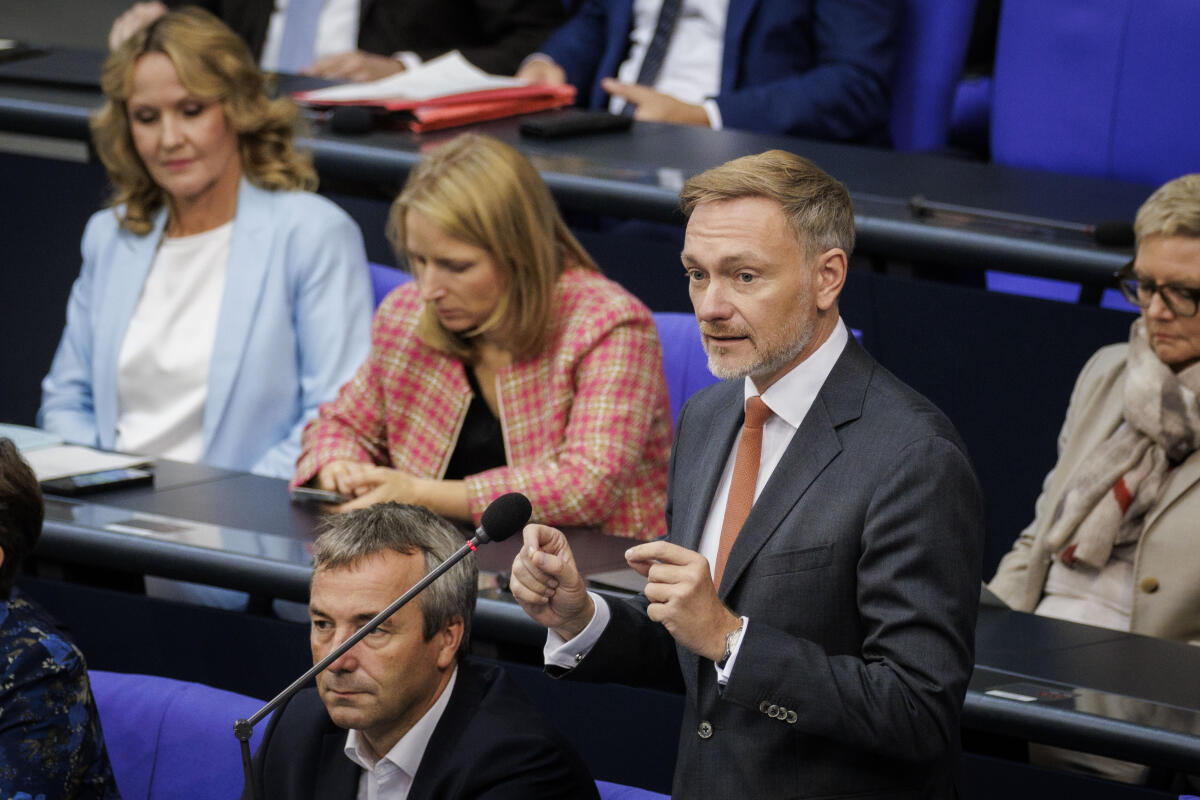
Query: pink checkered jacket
[[587, 425]]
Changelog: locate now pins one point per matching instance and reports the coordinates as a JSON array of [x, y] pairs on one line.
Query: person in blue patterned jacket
[[51, 747]]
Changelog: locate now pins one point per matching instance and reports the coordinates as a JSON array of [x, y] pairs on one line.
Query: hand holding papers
[[444, 92]]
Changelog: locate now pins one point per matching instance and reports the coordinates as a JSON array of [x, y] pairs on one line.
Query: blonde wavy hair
[[212, 62], [483, 192]]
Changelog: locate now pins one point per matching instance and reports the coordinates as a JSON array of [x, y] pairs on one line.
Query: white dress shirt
[[691, 69], [337, 31], [163, 365], [789, 399], [391, 777]]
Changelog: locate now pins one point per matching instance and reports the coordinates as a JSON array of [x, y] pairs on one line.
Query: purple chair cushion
[[172, 739]]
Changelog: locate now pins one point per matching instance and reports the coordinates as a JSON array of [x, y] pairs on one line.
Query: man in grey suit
[[817, 590]]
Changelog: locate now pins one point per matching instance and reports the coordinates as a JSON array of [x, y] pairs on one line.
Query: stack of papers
[[444, 92], [67, 460], [50, 458]]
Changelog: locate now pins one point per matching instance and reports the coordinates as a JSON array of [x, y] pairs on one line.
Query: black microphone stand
[[244, 728]]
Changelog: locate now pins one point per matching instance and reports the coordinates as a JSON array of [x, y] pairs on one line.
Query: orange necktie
[[745, 478]]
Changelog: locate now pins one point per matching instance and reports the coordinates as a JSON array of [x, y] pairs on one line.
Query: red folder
[[452, 110], [508, 93]]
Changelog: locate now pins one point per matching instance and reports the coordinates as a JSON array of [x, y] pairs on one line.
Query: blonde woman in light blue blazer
[[192, 143]]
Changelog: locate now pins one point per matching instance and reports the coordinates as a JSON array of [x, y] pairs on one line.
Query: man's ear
[[449, 638], [829, 275]]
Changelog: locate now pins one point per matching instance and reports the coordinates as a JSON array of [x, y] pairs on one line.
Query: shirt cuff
[[409, 59], [724, 672], [714, 113], [559, 652]]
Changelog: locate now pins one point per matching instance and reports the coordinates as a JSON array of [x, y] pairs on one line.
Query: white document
[[447, 74], [72, 459]]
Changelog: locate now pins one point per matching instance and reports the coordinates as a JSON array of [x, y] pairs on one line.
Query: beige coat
[[1166, 598]]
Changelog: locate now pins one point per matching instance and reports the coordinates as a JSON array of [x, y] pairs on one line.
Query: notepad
[[65, 460]]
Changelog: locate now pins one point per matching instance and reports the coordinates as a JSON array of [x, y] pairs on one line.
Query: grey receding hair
[[346, 539]]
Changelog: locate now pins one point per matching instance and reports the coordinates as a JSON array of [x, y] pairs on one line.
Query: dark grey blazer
[[858, 569], [492, 34]]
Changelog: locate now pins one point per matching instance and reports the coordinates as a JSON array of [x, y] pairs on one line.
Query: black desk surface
[[638, 174], [1039, 679]]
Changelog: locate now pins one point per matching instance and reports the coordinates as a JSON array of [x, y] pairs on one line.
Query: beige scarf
[[1107, 499]]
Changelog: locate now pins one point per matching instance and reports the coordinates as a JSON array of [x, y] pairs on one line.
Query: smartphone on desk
[[309, 494], [572, 122], [98, 481]]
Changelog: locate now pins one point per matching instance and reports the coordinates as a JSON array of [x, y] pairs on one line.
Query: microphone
[[1111, 233], [506, 515]]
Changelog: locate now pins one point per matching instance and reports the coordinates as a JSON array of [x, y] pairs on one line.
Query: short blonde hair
[[481, 191], [816, 205], [212, 62], [1173, 210]]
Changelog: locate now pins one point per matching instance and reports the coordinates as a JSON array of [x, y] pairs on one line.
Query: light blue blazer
[[294, 325]]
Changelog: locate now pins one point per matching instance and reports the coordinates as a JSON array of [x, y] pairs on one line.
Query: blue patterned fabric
[[51, 747]]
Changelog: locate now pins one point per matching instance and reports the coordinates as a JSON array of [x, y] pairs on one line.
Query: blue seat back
[[685, 364], [384, 279], [169, 739], [1098, 87], [932, 46], [615, 791]]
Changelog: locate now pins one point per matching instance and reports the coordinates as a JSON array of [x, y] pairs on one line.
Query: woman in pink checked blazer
[[509, 364]]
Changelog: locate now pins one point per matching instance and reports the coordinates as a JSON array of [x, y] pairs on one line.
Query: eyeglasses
[[1182, 300]]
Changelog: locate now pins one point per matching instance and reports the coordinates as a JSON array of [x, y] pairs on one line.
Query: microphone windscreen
[[1114, 233], [350, 119], [507, 514]]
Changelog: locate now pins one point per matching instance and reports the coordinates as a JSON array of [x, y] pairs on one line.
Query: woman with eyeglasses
[[1114, 538]]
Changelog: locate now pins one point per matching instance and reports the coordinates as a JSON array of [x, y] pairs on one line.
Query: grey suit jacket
[[858, 569]]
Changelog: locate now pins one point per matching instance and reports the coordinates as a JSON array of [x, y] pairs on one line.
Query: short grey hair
[[347, 539], [1173, 210]]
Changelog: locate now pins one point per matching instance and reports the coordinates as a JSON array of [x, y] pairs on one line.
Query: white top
[[390, 777], [337, 31], [162, 369], [691, 69], [789, 399], [1083, 594]]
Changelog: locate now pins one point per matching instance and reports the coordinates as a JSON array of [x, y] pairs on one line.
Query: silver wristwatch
[[731, 640]]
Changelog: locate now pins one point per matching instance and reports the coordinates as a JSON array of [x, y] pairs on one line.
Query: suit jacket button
[[1149, 585], [763, 706], [772, 710], [705, 730], [791, 718]]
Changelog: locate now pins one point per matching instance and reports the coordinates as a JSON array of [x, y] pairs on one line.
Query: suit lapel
[[1181, 479], [814, 445], [442, 749], [249, 262], [694, 497], [736, 22], [133, 256], [338, 777]]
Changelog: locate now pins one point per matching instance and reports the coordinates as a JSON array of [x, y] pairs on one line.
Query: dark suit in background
[[490, 743], [494, 35], [858, 569], [814, 68]]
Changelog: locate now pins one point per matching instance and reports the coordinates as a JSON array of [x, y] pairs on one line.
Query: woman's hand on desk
[[342, 476], [369, 484]]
